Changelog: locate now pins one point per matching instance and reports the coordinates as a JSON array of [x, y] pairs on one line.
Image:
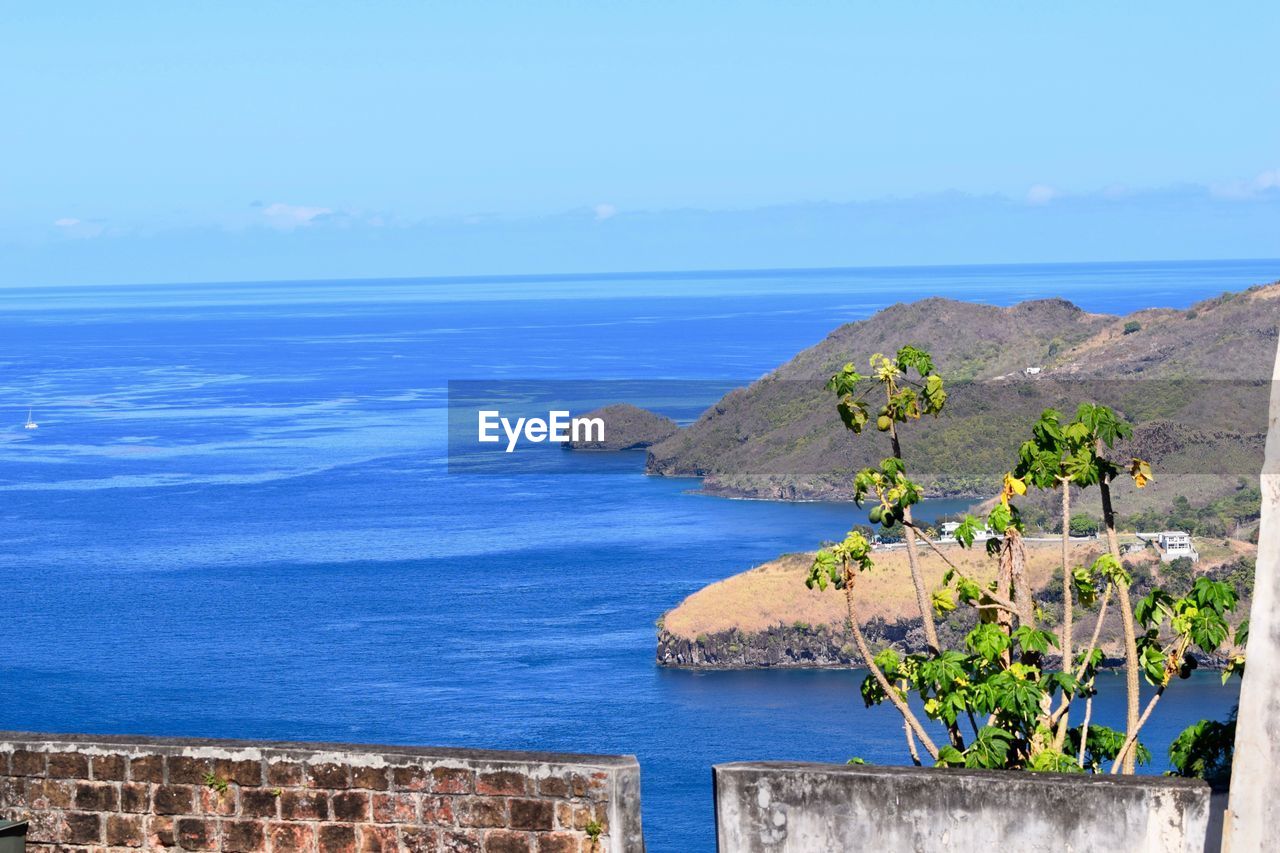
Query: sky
[[164, 141]]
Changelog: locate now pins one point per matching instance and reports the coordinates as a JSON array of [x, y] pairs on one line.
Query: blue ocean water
[[237, 520]]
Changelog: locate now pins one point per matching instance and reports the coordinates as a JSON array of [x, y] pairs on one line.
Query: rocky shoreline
[[815, 647], [796, 646]]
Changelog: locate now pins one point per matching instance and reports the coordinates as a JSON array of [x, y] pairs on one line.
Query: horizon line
[[624, 275]]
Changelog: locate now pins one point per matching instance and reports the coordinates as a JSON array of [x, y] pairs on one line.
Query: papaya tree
[[1004, 700]]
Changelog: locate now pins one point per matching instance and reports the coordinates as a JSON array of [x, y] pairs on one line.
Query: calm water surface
[[236, 518]]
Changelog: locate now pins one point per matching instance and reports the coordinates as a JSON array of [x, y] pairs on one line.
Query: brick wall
[[126, 793]]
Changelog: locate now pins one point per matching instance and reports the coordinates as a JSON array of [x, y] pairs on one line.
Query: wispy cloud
[[1040, 194], [604, 211], [66, 222], [1264, 183], [289, 216]]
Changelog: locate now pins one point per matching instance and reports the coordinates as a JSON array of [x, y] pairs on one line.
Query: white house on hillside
[[1171, 544], [949, 528]]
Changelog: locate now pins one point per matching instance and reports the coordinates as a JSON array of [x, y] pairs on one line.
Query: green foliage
[[1214, 518], [1203, 751], [1083, 524], [1102, 744], [1131, 327], [215, 782], [1000, 672]]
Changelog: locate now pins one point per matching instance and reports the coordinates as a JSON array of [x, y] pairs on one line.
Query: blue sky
[[181, 141]]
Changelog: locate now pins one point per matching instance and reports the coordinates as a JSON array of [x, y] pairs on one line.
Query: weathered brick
[[97, 797], [213, 801], [452, 780], [284, 773], [185, 770], [437, 810], [196, 833], [336, 838], [350, 806], [502, 782], [147, 768], [290, 837], [582, 815], [82, 828], [243, 772], [410, 778], [243, 836], [304, 805], [49, 793], [555, 786], [259, 802], [559, 842], [108, 768], [328, 776], [174, 799], [579, 784], [160, 832], [460, 841], [506, 841], [135, 797], [45, 826], [13, 791], [419, 839], [68, 765], [482, 811], [370, 778], [377, 839], [564, 815], [125, 830], [395, 808], [25, 762], [532, 814]]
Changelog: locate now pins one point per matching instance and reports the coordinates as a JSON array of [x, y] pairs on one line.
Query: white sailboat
[[30, 424]]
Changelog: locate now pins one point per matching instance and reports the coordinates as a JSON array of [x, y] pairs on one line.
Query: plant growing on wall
[[1000, 701]]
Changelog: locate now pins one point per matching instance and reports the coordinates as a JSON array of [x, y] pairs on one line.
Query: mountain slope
[[1200, 407]]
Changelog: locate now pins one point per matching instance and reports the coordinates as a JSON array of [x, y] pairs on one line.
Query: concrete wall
[[1253, 822], [119, 793], [786, 807]]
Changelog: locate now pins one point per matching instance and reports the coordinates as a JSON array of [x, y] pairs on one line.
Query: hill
[[1195, 382], [767, 617], [627, 427]]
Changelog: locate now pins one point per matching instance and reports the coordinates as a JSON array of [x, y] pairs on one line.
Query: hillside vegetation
[[1203, 394]]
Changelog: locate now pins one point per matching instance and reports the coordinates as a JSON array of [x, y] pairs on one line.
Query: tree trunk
[[1126, 616], [913, 559], [1068, 662]]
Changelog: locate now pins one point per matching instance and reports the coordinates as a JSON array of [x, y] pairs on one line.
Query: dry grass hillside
[[774, 593]]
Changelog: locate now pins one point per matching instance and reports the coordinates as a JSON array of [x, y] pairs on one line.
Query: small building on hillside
[[1171, 544], [948, 529], [1032, 371]]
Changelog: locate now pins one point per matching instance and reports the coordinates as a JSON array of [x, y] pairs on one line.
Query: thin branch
[[997, 600], [889, 690], [1088, 655], [911, 743], [1124, 755], [1084, 729]]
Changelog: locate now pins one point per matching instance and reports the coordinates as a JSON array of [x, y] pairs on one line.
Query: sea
[[238, 518]]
